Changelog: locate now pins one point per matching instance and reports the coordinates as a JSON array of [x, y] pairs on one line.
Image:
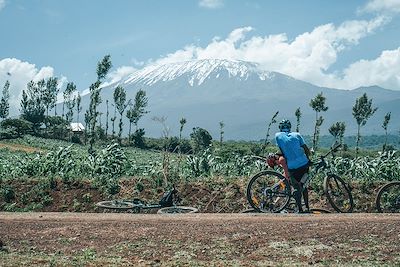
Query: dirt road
[[104, 239]]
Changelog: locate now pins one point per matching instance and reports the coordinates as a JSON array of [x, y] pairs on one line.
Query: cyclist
[[295, 154]]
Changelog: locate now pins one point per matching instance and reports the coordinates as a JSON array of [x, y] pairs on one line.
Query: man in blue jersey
[[296, 153]]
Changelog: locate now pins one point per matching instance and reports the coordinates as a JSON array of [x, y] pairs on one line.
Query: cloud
[[382, 7], [383, 71], [119, 73], [2, 4], [307, 57], [19, 73], [212, 4]]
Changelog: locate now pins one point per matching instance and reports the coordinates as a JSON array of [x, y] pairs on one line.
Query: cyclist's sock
[[297, 197], [305, 196]]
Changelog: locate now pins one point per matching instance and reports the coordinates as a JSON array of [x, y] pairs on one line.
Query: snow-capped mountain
[[197, 71], [241, 95]]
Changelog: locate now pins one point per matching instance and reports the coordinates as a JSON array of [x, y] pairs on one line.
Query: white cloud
[[119, 73], [19, 73], [2, 4], [211, 3], [383, 71], [307, 57], [382, 6]]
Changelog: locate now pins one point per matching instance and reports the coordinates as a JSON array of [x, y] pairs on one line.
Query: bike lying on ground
[[388, 198], [270, 191], [167, 204]]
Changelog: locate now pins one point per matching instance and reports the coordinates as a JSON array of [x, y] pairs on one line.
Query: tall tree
[[337, 131], [120, 103], [362, 111], [130, 114], [297, 113], [70, 101], [50, 95], [78, 106], [273, 120], [32, 104], [107, 114], [102, 69], [318, 105], [221, 131], [113, 118], [139, 106], [4, 102], [182, 122], [385, 127]]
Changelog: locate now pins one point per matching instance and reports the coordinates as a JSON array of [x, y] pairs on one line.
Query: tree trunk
[[358, 139]]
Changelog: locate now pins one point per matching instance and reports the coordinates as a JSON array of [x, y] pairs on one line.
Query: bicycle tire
[[274, 188], [388, 198], [117, 204], [340, 197], [177, 209]]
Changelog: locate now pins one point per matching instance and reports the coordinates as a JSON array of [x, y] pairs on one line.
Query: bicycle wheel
[[177, 209], [388, 198], [117, 204], [338, 193], [268, 191]]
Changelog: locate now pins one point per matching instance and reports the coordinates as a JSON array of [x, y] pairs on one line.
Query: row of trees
[[362, 110], [40, 98]]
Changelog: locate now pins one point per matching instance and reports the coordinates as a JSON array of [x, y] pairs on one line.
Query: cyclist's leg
[[299, 191], [296, 190], [282, 162], [305, 196]]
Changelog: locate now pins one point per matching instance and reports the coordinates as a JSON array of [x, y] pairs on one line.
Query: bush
[[200, 139], [138, 138], [7, 193], [16, 127]]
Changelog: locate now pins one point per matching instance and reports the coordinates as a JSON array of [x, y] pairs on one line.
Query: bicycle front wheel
[[177, 209], [268, 191], [388, 198], [115, 204], [338, 193]]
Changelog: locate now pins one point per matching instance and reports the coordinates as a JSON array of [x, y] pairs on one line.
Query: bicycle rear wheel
[[268, 191], [338, 193], [117, 204], [388, 198], [177, 209]]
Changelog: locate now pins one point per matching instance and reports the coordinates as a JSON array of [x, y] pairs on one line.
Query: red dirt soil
[[204, 239]]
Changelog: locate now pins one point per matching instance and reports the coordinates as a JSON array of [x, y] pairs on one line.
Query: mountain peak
[[197, 71]]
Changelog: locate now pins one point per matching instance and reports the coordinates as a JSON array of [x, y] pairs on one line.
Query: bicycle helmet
[[285, 125]]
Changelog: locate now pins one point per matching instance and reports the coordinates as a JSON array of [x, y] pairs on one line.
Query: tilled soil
[[120, 239]]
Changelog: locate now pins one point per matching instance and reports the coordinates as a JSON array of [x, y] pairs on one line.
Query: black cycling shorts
[[298, 173]]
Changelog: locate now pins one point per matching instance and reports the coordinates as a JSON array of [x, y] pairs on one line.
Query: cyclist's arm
[[307, 151]]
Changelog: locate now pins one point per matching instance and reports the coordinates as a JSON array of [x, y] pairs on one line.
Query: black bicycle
[[167, 204], [388, 198], [270, 191]]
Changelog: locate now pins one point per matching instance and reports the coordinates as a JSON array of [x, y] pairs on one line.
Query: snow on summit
[[196, 71]]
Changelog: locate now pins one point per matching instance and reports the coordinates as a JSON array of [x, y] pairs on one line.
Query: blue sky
[[342, 44]]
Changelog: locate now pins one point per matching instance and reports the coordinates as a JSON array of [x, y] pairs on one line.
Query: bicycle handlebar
[[332, 150]]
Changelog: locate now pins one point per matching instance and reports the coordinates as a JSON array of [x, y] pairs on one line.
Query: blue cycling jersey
[[291, 147]]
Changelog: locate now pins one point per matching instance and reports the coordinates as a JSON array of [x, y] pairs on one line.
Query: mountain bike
[[388, 198], [270, 191], [167, 204]]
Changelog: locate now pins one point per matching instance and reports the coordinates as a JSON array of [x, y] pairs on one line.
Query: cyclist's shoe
[[303, 211]]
